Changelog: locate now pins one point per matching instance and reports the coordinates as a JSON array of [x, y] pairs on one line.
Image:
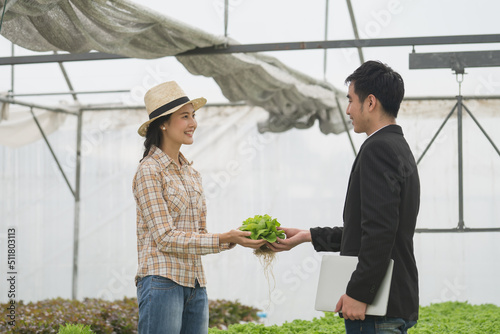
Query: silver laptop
[[335, 274]]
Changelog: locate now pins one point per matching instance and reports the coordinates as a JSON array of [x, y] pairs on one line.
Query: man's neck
[[380, 125]]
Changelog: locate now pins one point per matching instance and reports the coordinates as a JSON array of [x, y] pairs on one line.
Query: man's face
[[355, 111]]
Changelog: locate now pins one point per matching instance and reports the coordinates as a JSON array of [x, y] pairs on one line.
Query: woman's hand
[[240, 238]]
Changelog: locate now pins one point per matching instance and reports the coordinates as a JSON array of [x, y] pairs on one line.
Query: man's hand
[[294, 237], [351, 308]]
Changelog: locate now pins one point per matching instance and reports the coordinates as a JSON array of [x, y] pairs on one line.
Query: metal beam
[[71, 92], [36, 106], [457, 61], [352, 43], [142, 107], [56, 58], [221, 49]]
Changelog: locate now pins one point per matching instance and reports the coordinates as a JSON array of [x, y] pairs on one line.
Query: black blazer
[[380, 214]]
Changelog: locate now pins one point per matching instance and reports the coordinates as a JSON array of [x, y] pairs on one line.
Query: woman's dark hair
[[153, 134], [374, 77]]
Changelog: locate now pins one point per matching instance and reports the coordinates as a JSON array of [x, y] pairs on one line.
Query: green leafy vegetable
[[443, 318], [263, 227]]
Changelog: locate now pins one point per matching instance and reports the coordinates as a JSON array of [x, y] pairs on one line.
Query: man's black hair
[[374, 77]]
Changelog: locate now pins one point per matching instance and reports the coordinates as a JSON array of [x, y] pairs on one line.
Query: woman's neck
[[172, 151]]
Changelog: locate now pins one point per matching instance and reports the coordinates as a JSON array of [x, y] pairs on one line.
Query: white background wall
[[299, 177]]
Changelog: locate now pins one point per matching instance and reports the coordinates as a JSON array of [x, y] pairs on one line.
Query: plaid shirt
[[171, 220]]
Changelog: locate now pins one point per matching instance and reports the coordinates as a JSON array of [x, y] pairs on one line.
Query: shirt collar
[[156, 153], [379, 130]]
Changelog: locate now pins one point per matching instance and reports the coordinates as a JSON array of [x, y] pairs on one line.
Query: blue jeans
[[378, 325], [167, 307]]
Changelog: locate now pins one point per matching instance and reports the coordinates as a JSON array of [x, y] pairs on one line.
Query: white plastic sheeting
[[299, 177], [291, 98], [18, 128]]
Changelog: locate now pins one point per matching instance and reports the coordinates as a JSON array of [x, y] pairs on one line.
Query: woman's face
[[179, 129]]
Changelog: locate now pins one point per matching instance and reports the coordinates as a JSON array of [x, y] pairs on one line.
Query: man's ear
[[372, 102]]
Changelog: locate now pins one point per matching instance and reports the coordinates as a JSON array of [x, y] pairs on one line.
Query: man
[[381, 207]]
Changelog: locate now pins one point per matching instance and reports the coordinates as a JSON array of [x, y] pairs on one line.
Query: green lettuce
[[263, 227]]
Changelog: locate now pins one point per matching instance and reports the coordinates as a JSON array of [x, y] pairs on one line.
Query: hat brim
[[197, 104]]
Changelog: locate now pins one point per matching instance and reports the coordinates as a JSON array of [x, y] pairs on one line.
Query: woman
[[171, 220]]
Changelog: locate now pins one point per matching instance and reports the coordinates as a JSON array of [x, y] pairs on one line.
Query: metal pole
[[12, 72], [66, 77], [226, 16], [481, 128], [461, 224], [326, 38], [3, 14], [437, 133], [355, 29], [76, 227], [52, 151]]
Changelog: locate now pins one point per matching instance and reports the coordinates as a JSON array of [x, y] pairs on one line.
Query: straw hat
[[165, 99]]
